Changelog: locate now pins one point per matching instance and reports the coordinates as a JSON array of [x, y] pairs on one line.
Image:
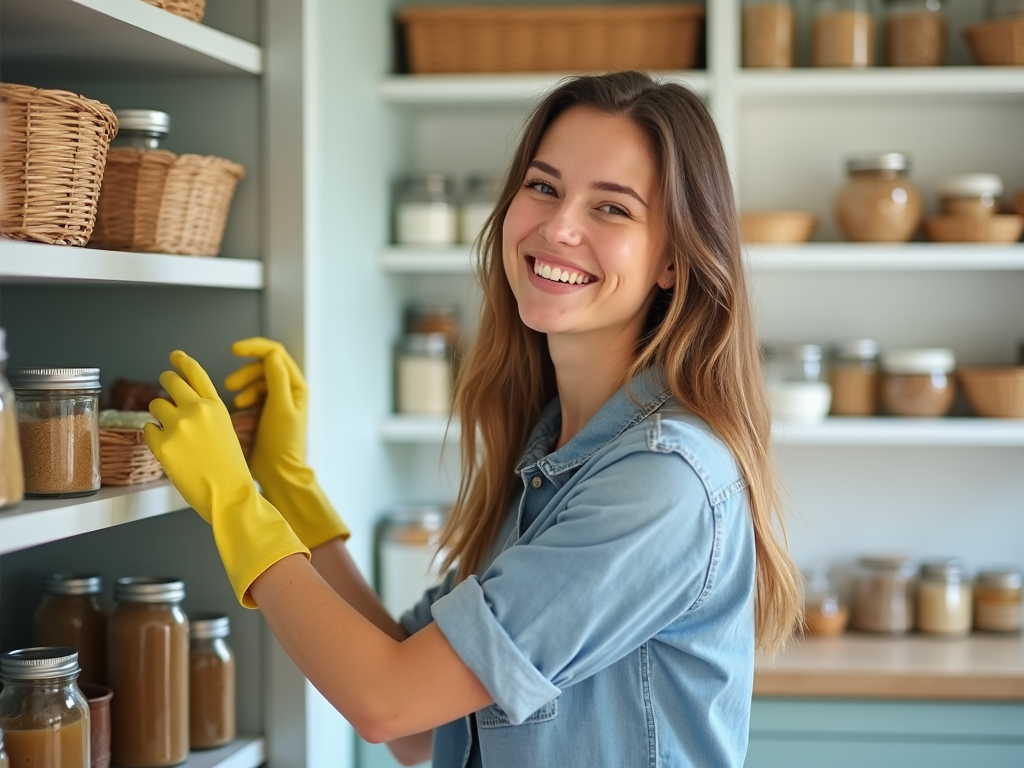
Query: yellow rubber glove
[[278, 458], [199, 451]]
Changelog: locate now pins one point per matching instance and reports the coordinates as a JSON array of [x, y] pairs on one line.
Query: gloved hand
[[199, 451], [278, 458]]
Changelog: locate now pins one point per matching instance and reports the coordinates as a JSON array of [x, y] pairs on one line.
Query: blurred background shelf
[[243, 752]]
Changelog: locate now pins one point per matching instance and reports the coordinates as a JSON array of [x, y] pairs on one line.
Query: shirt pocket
[[495, 717]]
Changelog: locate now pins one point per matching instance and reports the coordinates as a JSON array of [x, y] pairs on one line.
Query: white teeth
[[536, 267], [557, 274], [586, 279], [564, 277], [546, 271]]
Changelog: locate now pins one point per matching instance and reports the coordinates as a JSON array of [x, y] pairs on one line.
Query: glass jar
[[408, 559], [434, 318], [918, 382], [424, 375], [70, 615], [843, 34], [141, 129], [883, 594], [477, 206], [824, 612], [793, 362], [998, 600], [793, 374], [944, 598], [425, 211], [147, 666], [44, 717], [12, 477], [769, 33], [58, 427], [915, 33], [211, 682], [878, 203], [853, 374], [972, 194]]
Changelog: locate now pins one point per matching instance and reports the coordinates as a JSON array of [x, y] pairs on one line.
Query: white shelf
[[118, 37], [243, 752], [39, 521], [22, 262]]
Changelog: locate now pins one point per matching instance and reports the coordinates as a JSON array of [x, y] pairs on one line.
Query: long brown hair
[[700, 334]]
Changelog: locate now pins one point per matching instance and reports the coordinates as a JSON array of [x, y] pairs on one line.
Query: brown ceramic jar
[[878, 204]]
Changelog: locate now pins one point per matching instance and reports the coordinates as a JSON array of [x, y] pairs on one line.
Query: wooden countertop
[[859, 666]]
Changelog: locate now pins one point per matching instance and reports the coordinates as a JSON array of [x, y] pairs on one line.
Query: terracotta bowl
[[777, 226], [1003, 228]]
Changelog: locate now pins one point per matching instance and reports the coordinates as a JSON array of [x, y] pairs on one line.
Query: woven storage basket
[[996, 392], [192, 10], [1002, 228], [999, 42], [125, 459], [558, 39], [777, 226], [53, 152]]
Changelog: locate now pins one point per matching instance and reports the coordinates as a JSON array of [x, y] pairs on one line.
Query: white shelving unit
[[243, 752]]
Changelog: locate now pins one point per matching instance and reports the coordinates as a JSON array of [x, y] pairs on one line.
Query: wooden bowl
[[1002, 228], [777, 226], [999, 42], [995, 391]]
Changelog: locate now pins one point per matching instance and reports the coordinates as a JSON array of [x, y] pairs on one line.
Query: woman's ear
[[668, 278]]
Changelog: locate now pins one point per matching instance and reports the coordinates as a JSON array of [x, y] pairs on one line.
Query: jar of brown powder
[[853, 375], [878, 203], [211, 709], [70, 615], [915, 33], [58, 427], [769, 33], [918, 382], [843, 34]]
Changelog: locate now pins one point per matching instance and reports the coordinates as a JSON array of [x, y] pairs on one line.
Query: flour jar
[[843, 34], [915, 33], [408, 558], [794, 378], [424, 375], [944, 598], [878, 203], [425, 210], [769, 33]]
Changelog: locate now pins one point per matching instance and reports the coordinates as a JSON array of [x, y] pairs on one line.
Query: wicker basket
[[192, 10], [558, 39], [245, 423], [999, 42], [777, 226], [125, 459], [997, 391], [159, 202], [54, 147], [1003, 228]]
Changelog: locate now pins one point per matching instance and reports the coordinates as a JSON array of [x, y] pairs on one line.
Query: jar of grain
[[843, 34], [44, 717], [971, 194], [853, 374], [211, 682], [407, 554], [58, 425], [918, 382], [424, 375], [998, 600], [425, 211], [915, 33], [70, 615], [769, 33], [883, 594], [878, 203], [141, 129], [12, 478], [477, 206], [944, 598]]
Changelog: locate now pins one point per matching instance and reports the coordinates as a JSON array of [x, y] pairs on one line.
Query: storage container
[[424, 375], [944, 598], [408, 558], [971, 194], [98, 698], [777, 226], [824, 612], [211, 682], [425, 210], [999, 40], [794, 376], [915, 33], [918, 382], [883, 594], [853, 374], [70, 615], [769, 33], [998, 600], [994, 391], [12, 477], [878, 203], [843, 34], [477, 206]]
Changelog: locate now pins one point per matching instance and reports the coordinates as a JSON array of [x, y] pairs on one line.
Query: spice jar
[[12, 479], [769, 33], [425, 211], [58, 426], [944, 598], [43, 715], [793, 374], [147, 666], [407, 555], [915, 33], [918, 382], [824, 613], [141, 129], [998, 600], [211, 682], [424, 376], [972, 194], [878, 204], [853, 375], [842, 34], [883, 594], [70, 615], [477, 206]]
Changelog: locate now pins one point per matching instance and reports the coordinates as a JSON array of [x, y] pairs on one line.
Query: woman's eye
[[541, 186], [614, 210]]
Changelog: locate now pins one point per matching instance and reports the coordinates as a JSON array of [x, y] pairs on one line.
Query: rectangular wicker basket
[[587, 38], [125, 459]]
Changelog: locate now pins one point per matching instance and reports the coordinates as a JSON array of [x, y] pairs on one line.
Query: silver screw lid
[[808, 353], [878, 161], [149, 589], [896, 563], [54, 379], [856, 349], [73, 584], [433, 345], [42, 663], [945, 569], [148, 120], [208, 626]]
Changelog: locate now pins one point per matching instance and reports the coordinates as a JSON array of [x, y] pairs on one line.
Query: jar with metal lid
[[878, 203], [43, 715], [408, 558], [915, 33], [971, 194], [211, 681], [477, 206], [769, 33], [843, 34], [141, 129], [58, 426], [148, 669], [425, 210], [883, 594], [918, 382], [424, 374], [1005, 9], [944, 598], [999, 600], [853, 374], [793, 374], [70, 615], [12, 477]]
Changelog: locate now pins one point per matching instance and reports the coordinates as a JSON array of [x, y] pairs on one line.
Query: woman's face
[[583, 242]]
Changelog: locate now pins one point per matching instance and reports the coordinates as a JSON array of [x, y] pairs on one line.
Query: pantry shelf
[[40, 521], [243, 752], [105, 37], [22, 262]]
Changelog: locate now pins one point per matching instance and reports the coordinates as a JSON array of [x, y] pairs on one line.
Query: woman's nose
[[563, 225]]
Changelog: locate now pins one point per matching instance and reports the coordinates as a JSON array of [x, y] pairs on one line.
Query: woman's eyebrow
[[607, 186]]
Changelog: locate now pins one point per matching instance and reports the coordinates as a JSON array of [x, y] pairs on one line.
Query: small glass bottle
[[477, 206], [425, 211], [141, 129], [44, 717], [999, 600], [972, 194], [918, 382], [12, 477], [424, 375], [944, 598], [70, 615], [769, 33], [853, 375], [407, 557], [883, 594], [58, 425], [843, 34], [878, 203], [211, 682], [915, 33]]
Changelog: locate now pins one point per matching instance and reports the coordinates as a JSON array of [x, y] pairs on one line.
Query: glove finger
[[251, 395], [177, 388], [194, 375], [154, 437], [261, 347], [278, 377], [244, 376]]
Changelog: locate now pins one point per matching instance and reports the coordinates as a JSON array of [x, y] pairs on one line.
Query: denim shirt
[[613, 622]]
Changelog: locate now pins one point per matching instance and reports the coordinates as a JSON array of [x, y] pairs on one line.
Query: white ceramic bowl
[[803, 402]]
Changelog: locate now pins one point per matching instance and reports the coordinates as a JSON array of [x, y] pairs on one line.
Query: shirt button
[[536, 482]]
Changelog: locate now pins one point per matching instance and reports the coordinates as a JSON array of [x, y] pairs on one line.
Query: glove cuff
[[307, 510]]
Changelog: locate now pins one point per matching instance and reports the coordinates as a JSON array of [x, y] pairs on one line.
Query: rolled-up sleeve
[[630, 549]]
